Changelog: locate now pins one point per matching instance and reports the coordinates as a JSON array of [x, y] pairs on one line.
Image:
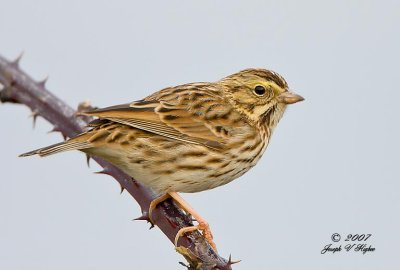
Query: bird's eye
[[259, 90]]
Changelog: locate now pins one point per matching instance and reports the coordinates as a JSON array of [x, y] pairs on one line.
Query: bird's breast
[[167, 165]]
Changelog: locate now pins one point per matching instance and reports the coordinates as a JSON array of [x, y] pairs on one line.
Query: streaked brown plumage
[[191, 137]]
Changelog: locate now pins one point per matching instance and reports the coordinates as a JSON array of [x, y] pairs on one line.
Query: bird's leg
[[156, 202], [202, 226]]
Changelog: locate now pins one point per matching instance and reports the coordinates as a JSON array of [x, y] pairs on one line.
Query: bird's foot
[[202, 223], [203, 227], [154, 203]]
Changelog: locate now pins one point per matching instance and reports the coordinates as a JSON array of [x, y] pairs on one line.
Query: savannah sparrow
[[188, 138]]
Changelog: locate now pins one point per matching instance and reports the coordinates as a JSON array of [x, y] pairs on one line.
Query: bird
[[188, 138]]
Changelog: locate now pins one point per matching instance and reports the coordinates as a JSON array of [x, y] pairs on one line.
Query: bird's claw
[[203, 227]]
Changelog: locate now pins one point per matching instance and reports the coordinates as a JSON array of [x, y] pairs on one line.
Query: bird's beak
[[289, 97]]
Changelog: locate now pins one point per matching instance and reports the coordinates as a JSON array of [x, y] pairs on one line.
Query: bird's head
[[259, 94]]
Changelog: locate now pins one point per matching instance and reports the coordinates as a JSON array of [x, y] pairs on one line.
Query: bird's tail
[[71, 144]]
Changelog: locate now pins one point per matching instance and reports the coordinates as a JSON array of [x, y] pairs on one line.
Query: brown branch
[[18, 87]]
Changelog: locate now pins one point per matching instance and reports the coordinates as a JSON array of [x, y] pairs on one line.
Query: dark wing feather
[[175, 114]]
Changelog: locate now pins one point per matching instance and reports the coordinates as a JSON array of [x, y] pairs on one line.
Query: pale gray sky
[[331, 167]]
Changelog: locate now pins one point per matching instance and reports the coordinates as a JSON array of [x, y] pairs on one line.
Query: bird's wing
[[189, 115]]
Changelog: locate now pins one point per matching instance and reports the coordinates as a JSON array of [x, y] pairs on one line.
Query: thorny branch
[[18, 87]]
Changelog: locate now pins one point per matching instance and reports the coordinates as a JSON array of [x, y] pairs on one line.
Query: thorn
[[88, 160], [185, 265], [34, 116], [105, 171], [57, 129], [42, 83], [230, 262], [144, 216], [15, 63], [122, 189]]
